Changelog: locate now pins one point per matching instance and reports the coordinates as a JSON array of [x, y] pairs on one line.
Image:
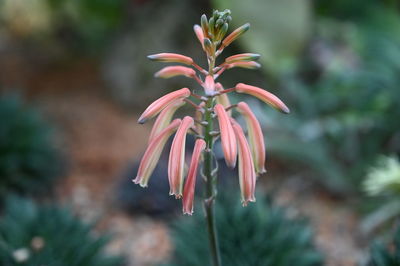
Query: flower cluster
[[214, 104]]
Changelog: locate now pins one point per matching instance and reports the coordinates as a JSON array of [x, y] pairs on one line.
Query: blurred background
[[74, 78]]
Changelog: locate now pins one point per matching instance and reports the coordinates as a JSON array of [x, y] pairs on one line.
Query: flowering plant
[[210, 107]]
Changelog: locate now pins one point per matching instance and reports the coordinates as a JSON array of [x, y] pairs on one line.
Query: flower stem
[[211, 179], [211, 191]]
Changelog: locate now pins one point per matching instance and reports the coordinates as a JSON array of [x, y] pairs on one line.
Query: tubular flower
[[158, 105], [176, 161], [263, 95], [173, 71], [228, 140], [234, 35], [209, 86], [188, 192], [211, 104], [248, 65], [242, 58], [256, 137], [223, 98], [153, 152], [247, 175], [165, 117], [171, 58]]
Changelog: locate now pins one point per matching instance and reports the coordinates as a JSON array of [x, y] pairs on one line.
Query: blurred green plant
[[383, 183], [29, 162], [35, 235], [260, 234], [386, 255]]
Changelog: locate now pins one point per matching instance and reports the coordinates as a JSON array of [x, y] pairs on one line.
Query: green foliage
[[259, 234], [386, 255], [35, 235], [28, 160]]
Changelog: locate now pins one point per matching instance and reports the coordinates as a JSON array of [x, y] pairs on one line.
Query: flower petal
[[173, 71], [256, 137], [153, 152], [176, 161], [228, 139], [165, 117], [263, 95], [190, 184], [209, 86], [171, 58], [158, 105], [247, 175], [242, 58]]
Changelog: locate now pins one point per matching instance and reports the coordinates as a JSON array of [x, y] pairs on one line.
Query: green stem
[[211, 191]]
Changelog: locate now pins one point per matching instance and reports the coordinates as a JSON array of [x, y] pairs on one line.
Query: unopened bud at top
[[171, 58]]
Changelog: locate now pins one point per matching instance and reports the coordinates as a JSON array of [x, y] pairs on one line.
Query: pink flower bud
[[234, 35], [153, 152], [190, 184], [176, 161], [256, 138], [263, 95], [242, 58], [171, 58], [223, 98], [172, 71], [158, 105], [248, 65], [209, 86], [165, 117], [199, 33], [228, 140], [247, 175]]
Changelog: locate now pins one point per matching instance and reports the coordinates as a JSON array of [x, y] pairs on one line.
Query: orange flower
[[228, 140], [153, 152], [263, 95], [165, 117], [190, 184], [247, 175], [158, 105], [256, 137], [176, 161], [171, 58], [173, 71]]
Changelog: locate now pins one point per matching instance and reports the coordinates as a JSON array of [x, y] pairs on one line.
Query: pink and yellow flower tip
[[158, 105], [190, 184], [171, 58], [242, 58], [263, 95]]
